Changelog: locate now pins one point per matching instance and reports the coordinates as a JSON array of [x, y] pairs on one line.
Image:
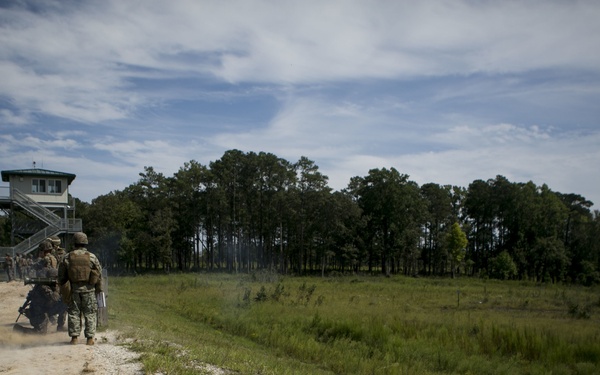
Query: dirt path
[[27, 354]]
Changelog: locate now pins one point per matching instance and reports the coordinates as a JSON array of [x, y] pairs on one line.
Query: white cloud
[[12, 118], [305, 127], [77, 61], [342, 40], [495, 135], [43, 146], [111, 64], [565, 162]]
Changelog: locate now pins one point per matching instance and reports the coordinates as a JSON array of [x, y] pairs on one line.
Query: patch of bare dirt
[[31, 354]]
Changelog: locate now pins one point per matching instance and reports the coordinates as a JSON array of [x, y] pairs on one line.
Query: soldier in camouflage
[[59, 253], [48, 256], [42, 302], [18, 264], [45, 258], [9, 267], [83, 271], [28, 265]]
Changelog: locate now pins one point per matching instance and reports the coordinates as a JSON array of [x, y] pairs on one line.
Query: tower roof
[[36, 172]]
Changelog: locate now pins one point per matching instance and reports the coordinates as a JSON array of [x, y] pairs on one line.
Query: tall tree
[[439, 216], [456, 242], [577, 238], [227, 205], [190, 211], [480, 216], [309, 196], [393, 209], [275, 177]]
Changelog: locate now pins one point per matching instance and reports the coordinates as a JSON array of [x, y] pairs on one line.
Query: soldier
[[57, 251], [83, 271], [46, 259], [46, 265], [9, 267], [42, 303], [18, 264], [29, 265], [23, 265]]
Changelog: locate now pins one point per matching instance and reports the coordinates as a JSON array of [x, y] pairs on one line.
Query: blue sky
[[444, 91]]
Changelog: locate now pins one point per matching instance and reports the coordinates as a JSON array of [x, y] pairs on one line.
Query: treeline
[[252, 211]]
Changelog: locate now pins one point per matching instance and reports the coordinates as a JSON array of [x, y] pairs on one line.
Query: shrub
[[503, 267]]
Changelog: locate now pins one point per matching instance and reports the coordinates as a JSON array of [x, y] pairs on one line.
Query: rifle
[[22, 308], [50, 281]]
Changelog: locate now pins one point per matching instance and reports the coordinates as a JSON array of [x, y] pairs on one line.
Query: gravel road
[[28, 354]]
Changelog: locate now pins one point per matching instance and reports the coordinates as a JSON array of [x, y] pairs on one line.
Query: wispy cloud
[[446, 92], [77, 61]]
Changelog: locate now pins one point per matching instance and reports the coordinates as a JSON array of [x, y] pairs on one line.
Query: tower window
[[38, 186], [54, 186]]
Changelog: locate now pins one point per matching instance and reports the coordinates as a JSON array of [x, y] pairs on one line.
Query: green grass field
[[267, 324]]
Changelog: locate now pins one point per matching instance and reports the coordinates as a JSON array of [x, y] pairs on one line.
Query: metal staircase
[[35, 208], [55, 224]]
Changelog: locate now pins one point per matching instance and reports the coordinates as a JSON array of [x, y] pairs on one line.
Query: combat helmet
[[54, 239], [80, 238], [45, 246]]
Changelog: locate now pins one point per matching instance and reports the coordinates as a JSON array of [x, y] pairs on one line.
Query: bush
[[503, 267], [588, 275]]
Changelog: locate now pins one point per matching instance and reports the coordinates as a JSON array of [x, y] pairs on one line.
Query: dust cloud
[[33, 354]]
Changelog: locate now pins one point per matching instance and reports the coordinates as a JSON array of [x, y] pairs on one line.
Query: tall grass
[[357, 325]]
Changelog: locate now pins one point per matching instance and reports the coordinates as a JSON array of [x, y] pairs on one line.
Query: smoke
[[13, 295], [11, 339], [22, 353]]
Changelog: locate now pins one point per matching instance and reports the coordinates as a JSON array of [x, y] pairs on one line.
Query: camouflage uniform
[[83, 270], [59, 253], [46, 259], [19, 264], [45, 302], [51, 260], [28, 265], [9, 267]]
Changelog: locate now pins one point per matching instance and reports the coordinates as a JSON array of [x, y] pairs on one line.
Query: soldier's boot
[[74, 340], [90, 341]]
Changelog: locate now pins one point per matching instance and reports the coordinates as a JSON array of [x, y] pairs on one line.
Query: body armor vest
[[79, 267], [51, 261]]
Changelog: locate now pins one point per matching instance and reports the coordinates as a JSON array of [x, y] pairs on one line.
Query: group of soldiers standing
[[24, 266], [19, 267], [65, 288]]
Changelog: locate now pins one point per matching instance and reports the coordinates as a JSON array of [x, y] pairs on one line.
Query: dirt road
[[28, 354]]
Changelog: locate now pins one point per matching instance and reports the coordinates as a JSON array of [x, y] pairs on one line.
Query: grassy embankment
[[264, 324]]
